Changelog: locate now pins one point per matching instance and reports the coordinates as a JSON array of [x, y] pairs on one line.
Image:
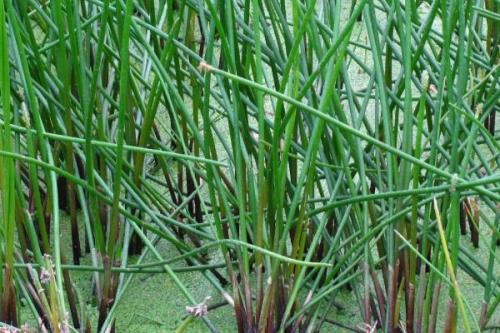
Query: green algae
[[152, 303]]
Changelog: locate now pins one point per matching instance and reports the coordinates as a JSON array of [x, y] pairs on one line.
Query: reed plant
[[288, 150]]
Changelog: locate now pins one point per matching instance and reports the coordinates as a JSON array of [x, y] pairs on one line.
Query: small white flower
[[200, 309], [369, 328], [45, 276]]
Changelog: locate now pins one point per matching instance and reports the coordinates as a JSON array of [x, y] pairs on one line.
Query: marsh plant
[[287, 150]]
